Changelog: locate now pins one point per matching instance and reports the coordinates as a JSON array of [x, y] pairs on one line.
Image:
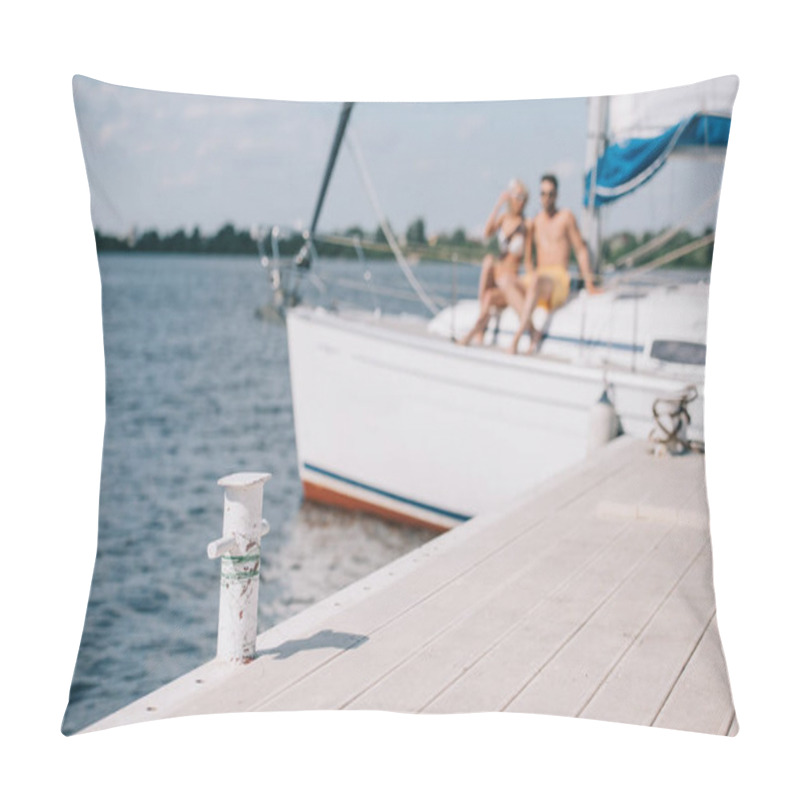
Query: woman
[[499, 285]]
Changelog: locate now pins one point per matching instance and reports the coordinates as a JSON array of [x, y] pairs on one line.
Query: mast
[[597, 138], [303, 257]]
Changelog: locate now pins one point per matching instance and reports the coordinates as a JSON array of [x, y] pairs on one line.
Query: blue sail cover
[[626, 166]]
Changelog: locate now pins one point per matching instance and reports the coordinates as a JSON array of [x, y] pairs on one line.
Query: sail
[[632, 136]]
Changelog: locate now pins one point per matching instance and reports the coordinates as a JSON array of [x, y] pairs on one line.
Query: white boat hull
[[394, 420]]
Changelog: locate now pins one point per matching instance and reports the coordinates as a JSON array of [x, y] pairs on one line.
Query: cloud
[[209, 146], [180, 180], [470, 125], [111, 130], [198, 109]]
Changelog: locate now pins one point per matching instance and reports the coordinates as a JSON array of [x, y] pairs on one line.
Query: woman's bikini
[[509, 244], [513, 244]]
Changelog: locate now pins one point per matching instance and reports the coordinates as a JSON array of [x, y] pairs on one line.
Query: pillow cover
[[473, 418]]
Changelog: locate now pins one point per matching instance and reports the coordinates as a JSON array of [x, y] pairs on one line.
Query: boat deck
[[590, 597], [405, 325]]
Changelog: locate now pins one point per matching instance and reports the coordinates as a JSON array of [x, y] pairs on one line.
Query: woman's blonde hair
[[516, 183]]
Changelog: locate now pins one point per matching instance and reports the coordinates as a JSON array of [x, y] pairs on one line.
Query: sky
[[175, 161]]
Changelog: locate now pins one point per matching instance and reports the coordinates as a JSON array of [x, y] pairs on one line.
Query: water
[[198, 387]]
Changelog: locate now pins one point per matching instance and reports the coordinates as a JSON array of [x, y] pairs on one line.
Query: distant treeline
[[453, 246], [228, 240]]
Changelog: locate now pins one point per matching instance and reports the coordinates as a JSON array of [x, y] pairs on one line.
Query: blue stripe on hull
[[414, 503], [631, 348]]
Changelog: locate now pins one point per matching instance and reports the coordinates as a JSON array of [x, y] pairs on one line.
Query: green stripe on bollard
[[240, 568]]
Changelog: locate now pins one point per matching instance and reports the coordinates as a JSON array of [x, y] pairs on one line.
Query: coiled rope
[[672, 423]]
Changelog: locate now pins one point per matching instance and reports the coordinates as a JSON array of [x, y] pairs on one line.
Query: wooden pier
[[590, 596]]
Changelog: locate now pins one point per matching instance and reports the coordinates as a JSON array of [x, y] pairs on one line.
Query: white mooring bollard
[[240, 553]]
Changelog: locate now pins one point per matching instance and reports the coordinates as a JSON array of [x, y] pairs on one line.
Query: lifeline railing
[[286, 276]]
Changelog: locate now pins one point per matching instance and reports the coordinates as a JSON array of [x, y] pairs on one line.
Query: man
[[555, 232]]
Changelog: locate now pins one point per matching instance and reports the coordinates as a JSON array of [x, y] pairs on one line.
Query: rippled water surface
[[198, 387]]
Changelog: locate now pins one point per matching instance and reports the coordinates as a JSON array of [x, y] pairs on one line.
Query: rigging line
[[387, 231], [657, 241], [673, 255], [445, 257], [386, 291]]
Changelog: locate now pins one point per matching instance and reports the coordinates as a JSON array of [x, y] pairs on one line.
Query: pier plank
[[569, 680], [433, 567], [494, 681], [475, 564], [590, 596], [426, 671], [530, 572], [639, 684], [690, 706]]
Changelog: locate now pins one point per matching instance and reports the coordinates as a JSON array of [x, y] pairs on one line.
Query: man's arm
[[581, 253]]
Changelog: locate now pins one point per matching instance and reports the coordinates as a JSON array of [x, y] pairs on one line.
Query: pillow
[[455, 354]]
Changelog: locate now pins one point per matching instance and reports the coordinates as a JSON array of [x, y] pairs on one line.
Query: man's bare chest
[[550, 231]]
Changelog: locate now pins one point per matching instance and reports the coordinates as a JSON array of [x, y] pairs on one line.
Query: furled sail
[[632, 136]]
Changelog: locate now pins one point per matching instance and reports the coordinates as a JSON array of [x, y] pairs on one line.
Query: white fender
[[603, 423]]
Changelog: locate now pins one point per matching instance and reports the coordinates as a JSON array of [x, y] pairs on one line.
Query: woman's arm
[[495, 218]]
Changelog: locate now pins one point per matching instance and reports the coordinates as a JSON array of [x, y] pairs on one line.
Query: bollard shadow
[[319, 641]]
